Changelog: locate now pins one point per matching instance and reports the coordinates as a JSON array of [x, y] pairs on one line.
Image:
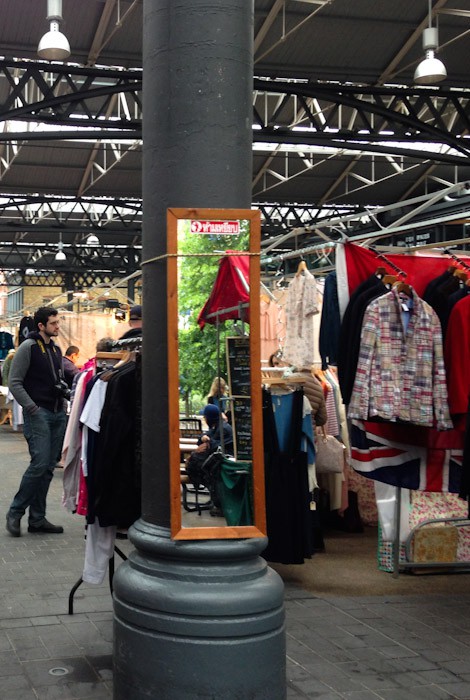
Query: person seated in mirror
[[214, 436]]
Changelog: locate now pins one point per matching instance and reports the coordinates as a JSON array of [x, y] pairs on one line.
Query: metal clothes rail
[[408, 564]]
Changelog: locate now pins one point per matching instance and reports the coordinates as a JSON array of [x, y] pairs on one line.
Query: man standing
[[135, 323], [70, 364], [34, 381]]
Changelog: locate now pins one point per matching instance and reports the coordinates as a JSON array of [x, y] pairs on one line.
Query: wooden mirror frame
[[258, 529]]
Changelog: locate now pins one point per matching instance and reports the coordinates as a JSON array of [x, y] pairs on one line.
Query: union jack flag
[[410, 456]]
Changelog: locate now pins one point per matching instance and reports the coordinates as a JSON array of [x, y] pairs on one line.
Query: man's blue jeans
[[44, 432]]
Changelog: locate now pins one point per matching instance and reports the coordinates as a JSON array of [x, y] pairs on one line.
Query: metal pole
[[192, 619]]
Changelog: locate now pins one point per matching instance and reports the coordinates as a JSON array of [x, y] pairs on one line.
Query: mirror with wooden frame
[[213, 285]]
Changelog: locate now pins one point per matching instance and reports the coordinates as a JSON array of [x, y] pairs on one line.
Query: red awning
[[231, 288]]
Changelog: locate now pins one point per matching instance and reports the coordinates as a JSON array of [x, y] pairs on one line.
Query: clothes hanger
[[380, 272], [389, 280], [302, 267], [403, 288], [460, 274]]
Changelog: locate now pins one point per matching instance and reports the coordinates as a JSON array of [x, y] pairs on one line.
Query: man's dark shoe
[[13, 526], [46, 528]]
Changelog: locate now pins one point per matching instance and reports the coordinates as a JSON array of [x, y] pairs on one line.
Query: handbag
[[329, 455]]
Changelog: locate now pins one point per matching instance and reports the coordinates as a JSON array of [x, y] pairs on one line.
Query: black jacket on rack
[[350, 333], [116, 473], [289, 526], [330, 323]]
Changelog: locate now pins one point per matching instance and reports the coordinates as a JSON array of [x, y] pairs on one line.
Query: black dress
[[288, 519]]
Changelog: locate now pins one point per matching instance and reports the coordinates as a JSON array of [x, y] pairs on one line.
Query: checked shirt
[[400, 374]]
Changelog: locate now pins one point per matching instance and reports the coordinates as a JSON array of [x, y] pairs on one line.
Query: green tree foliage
[[198, 349]]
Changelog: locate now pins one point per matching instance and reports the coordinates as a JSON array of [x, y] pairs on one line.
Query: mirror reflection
[[215, 430]]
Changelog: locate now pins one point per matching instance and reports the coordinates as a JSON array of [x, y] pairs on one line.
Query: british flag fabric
[[413, 457]]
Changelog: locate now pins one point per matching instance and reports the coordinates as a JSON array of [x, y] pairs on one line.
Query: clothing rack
[[128, 343], [456, 259], [107, 360], [271, 381], [220, 312], [384, 258], [111, 567]]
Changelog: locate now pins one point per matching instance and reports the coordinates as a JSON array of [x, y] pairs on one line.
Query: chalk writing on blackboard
[[238, 363], [241, 423]]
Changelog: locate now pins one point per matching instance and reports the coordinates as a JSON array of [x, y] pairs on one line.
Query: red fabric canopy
[[420, 268], [231, 287]]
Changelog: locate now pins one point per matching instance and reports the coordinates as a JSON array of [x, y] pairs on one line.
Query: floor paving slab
[[410, 643]]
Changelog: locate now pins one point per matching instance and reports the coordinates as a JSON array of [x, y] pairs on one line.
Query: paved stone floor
[[394, 647]]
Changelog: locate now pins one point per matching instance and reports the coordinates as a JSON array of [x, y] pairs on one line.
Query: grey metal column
[[192, 619]]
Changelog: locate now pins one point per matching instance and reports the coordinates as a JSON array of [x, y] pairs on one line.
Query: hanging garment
[[116, 476], [27, 326], [330, 323], [457, 356], [313, 390], [288, 520], [71, 449], [341, 484], [269, 328], [335, 483], [301, 306], [365, 495], [6, 344], [431, 287], [99, 548], [400, 374], [439, 298], [95, 394], [332, 424], [350, 332], [461, 293], [464, 490]]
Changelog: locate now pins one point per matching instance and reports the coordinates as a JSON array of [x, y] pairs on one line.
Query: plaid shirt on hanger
[[400, 373]]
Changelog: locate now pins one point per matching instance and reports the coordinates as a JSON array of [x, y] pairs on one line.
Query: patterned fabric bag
[[329, 455]]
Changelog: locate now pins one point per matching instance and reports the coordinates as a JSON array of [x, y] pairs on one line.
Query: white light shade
[[92, 239], [60, 256], [431, 70], [54, 45]]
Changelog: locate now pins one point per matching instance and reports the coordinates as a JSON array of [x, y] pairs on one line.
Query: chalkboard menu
[[238, 364], [241, 424]]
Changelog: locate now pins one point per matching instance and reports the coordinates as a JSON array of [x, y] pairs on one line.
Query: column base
[[197, 619]]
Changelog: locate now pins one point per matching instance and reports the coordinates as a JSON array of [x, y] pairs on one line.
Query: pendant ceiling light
[[431, 70], [54, 45], [60, 255]]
